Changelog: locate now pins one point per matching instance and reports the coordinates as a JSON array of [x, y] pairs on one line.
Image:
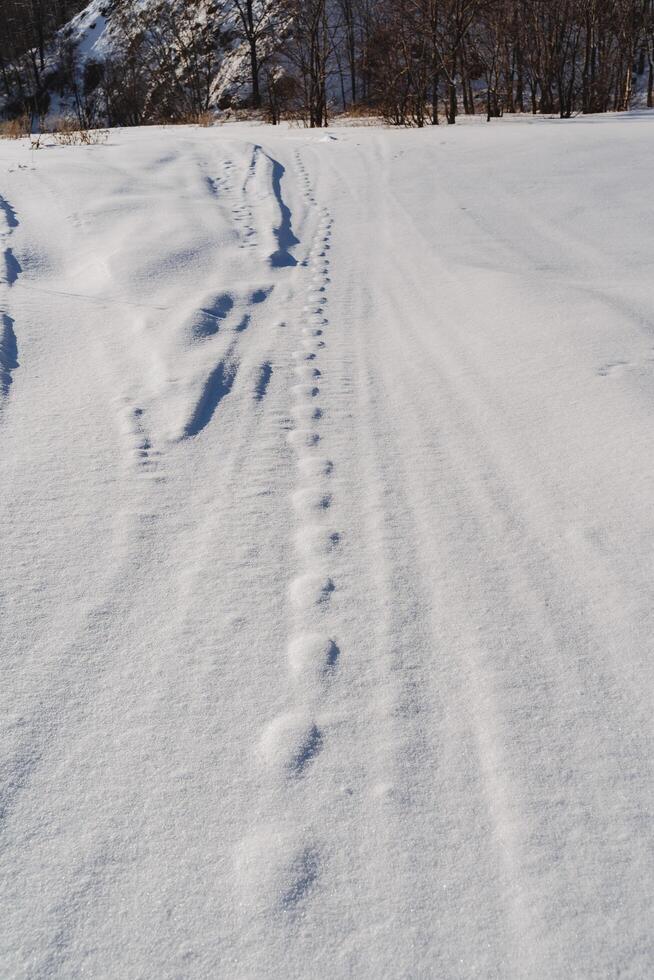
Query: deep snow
[[326, 595]]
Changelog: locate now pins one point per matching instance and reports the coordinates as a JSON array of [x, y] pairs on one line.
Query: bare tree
[[403, 58], [256, 20], [310, 50]]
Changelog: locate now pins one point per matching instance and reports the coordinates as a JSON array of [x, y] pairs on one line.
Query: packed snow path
[[327, 522]]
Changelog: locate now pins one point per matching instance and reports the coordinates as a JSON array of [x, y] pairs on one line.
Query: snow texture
[[326, 595]]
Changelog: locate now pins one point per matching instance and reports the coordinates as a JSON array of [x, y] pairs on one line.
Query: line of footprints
[[242, 210], [294, 740], [223, 187]]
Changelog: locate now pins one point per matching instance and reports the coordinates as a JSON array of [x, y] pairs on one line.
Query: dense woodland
[[412, 62]]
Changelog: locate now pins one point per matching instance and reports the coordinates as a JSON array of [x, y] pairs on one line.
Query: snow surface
[[327, 567]]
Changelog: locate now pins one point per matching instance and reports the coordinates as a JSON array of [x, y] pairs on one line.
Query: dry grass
[[204, 119], [67, 132], [362, 111], [15, 129]]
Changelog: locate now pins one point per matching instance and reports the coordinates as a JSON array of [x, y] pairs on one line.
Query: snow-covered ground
[[327, 563]]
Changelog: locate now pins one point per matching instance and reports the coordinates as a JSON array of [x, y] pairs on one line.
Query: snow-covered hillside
[[97, 36], [88, 31], [326, 604]]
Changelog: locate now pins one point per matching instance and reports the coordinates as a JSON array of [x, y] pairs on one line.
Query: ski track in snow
[[327, 536]]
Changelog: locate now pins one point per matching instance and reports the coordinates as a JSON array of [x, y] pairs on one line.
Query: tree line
[[27, 28], [414, 62]]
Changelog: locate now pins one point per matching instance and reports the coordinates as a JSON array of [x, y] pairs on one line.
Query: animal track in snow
[[141, 451], [290, 743], [307, 751], [316, 541], [263, 380], [311, 501], [10, 219], [303, 875], [216, 309], [243, 213], [316, 308], [307, 372], [11, 267], [261, 295], [313, 654], [8, 353], [217, 386], [222, 185], [311, 590], [303, 438], [314, 467], [306, 391], [243, 324], [307, 412], [208, 319], [9, 273], [277, 871]]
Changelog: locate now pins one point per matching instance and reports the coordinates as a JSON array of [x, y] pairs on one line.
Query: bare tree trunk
[[451, 93]]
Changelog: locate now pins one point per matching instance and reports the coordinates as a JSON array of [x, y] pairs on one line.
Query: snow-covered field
[[327, 553]]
